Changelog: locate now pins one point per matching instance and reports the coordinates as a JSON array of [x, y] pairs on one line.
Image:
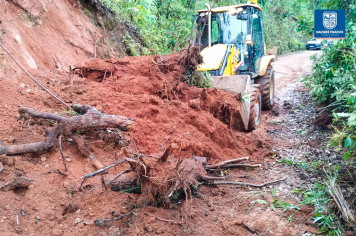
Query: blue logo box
[[329, 24]]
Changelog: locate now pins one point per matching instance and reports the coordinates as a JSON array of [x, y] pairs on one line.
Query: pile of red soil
[[203, 122]]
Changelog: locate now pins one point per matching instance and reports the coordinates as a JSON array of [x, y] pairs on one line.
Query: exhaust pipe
[[209, 19]]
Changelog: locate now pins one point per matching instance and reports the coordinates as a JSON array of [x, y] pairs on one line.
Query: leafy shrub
[[334, 84]]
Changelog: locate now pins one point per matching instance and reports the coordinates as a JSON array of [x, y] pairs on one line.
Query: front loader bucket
[[237, 84]]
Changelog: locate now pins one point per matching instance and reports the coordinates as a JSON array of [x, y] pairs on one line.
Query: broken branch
[[117, 176], [104, 169], [252, 230], [236, 165], [220, 164], [165, 220], [246, 184], [60, 150]]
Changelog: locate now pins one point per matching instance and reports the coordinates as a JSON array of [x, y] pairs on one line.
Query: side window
[[257, 41], [257, 32], [214, 31]]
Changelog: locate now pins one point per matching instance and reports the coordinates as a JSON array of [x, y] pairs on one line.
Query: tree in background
[[288, 24]]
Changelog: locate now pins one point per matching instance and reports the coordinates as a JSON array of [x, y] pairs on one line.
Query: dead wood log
[[90, 119]]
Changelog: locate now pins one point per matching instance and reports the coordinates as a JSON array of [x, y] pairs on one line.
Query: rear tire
[[255, 109], [266, 83]]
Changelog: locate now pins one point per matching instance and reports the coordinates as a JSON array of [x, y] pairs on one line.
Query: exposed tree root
[[161, 178], [90, 119]]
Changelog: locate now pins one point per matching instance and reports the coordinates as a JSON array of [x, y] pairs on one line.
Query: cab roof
[[226, 8]]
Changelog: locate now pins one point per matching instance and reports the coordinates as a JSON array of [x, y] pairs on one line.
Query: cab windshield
[[225, 29]]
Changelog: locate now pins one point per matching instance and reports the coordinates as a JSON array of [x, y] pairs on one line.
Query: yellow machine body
[[219, 56], [213, 56]]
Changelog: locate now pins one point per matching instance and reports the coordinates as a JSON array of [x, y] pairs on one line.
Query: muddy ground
[[221, 210]]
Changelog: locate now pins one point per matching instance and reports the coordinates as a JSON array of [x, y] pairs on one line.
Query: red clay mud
[[204, 120]]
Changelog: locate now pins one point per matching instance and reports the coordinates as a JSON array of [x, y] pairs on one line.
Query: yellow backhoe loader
[[233, 48]]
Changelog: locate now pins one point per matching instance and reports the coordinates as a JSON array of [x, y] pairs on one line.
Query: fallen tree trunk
[[90, 118]]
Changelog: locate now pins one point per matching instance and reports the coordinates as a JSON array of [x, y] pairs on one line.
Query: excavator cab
[[233, 47]]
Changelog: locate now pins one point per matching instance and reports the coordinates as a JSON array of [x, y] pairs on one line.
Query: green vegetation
[[334, 81], [330, 198], [318, 196], [166, 25], [304, 166], [199, 79], [334, 85]]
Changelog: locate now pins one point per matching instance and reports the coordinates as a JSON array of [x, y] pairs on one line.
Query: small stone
[[1, 221], [31, 186], [77, 221], [37, 219], [70, 140], [23, 211], [66, 184], [43, 159], [206, 213], [4, 217], [22, 85], [68, 159]]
